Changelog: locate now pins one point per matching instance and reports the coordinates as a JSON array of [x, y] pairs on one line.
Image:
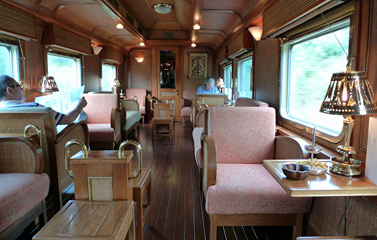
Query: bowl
[[296, 171], [318, 171]]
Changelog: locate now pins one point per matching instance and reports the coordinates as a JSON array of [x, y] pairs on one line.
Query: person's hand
[[82, 102]]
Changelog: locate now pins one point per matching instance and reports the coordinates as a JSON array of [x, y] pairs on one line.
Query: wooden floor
[[177, 210]]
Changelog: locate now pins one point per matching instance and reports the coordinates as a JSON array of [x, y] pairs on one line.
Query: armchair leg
[[297, 229], [213, 227]]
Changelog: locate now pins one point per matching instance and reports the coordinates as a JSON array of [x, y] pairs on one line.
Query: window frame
[[284, 78], [14, 56], [246, 57], [104, 62], [65, 54], [229, 94]]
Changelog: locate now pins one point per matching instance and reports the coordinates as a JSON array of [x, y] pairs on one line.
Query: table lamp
[[349, 94], [49, 85]]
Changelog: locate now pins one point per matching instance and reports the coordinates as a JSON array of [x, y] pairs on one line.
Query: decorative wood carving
[[284, 12], [241, 44], [17, 24], [56, 36], [111, 55]]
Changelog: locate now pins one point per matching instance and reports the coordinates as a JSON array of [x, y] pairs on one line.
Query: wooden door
[[168, 79]]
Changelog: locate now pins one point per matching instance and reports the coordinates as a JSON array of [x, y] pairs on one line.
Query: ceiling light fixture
[[193, 44], [256, 31], [162, 8], [139, 59], [119, 26], [196, 26], [142, 44]]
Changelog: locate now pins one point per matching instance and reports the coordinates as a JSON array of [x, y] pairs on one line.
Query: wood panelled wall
[[327, 212], [35, 67], [141, 75]]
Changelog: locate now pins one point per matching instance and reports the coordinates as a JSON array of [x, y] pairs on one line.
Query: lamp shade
[[256, 31], [49, 84], [139, 59], [349, 93]]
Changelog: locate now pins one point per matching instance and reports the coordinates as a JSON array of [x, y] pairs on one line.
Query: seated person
[[208, 87], [11, 95]]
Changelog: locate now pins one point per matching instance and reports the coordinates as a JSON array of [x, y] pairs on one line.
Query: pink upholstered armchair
[[23, 185], [139, 94], [239, 191], [105, 120], [189, 96]]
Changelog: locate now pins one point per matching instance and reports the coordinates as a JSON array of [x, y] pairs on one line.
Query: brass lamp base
[[339, 166]]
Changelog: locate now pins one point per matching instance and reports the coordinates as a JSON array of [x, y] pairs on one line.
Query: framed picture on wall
[[198, 65]]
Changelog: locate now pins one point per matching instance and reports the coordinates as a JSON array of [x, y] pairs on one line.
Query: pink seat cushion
[[186, 112], [250, 189], [19, 193], [101, 132], [243, 135]]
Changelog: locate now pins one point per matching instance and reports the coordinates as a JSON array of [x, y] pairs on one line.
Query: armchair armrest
[[129, 105], [210, 163], [290, 148], [117, 121], [23, 155]]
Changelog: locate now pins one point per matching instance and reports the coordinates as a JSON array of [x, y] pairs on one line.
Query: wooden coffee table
[[91, 220]]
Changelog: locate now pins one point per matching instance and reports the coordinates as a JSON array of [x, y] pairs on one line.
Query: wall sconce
[[96, 49], [256, 31], [119, 26], [193, 44], [142, 44], [139, 59], [196, 26]]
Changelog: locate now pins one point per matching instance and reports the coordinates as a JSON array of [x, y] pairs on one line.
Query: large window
[[108, 76], [9, 63], [228, 81], [66, 71], [307, 66], [244, 77]]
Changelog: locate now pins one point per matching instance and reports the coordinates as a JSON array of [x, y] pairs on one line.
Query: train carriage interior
[[188, 119]]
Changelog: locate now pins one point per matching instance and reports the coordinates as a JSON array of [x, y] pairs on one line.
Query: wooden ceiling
[[96, 19]]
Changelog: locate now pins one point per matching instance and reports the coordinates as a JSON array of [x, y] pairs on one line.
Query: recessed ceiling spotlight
[[119, 26], [196, 26], [193, 44], [142, 44], [162, 8]]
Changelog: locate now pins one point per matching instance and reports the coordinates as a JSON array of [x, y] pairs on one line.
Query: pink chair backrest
[[242, 135], [189, 94], [99, 107], [248, 102], [140, 93]]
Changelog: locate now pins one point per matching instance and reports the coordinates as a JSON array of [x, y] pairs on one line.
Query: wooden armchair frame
[[37, 167], [129, 105], [285, 147], [13, 122], [209, 179]]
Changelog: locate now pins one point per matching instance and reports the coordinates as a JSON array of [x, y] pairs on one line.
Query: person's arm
[[72, 115]]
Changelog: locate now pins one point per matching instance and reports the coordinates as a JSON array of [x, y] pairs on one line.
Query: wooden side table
[[91, 220], [142, 187], [162, 127], [327, 185]]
